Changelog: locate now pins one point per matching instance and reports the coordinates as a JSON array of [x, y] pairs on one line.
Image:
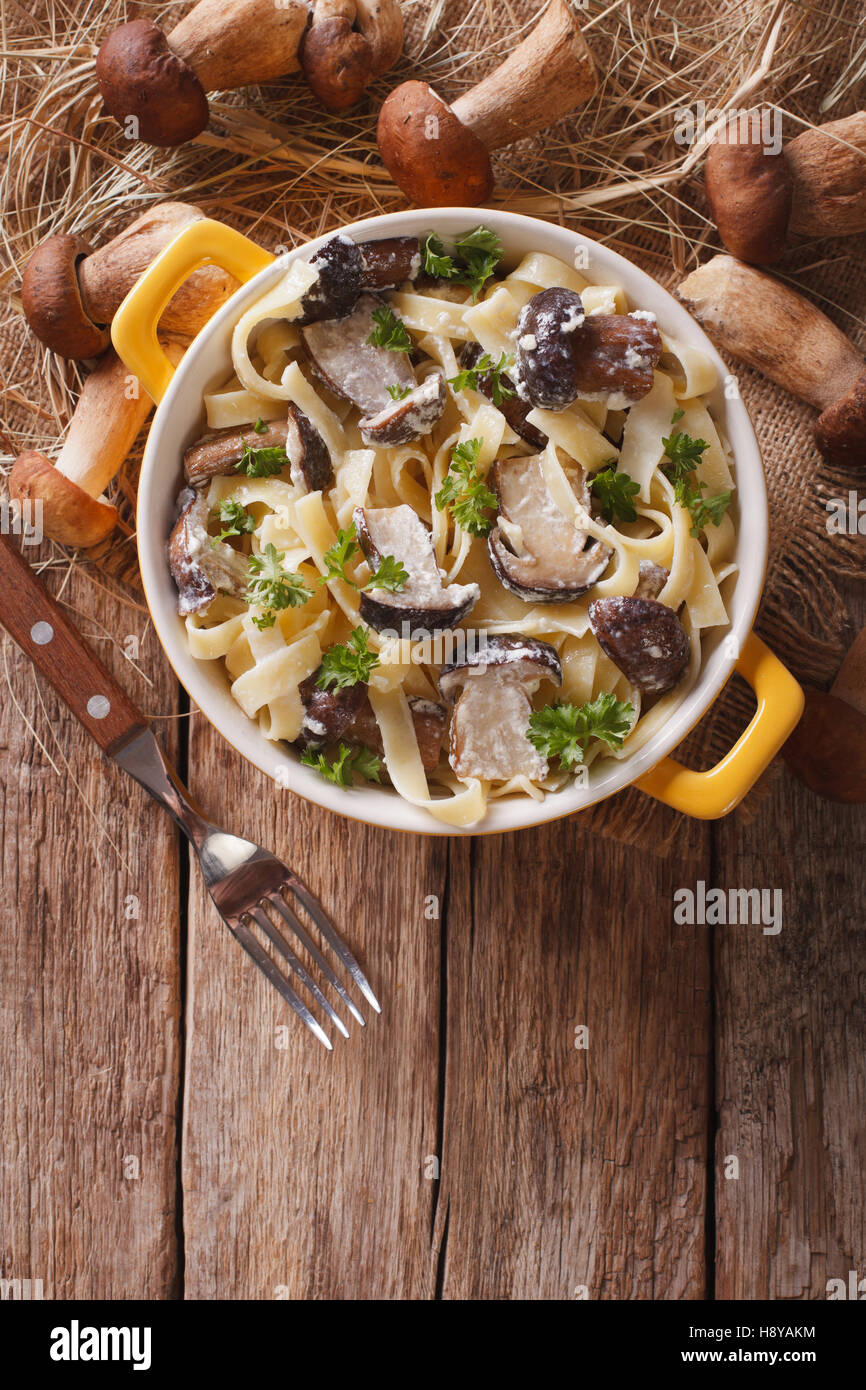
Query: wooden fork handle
[[44, 633]]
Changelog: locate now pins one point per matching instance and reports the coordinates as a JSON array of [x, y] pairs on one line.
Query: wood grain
[[91, 995]]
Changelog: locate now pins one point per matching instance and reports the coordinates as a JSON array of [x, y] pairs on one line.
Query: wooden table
[[553, 1104]]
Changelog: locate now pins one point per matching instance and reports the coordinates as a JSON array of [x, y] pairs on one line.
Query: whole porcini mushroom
[[813, 186], [156, 84], [749, 191], [440, 155], [757, 319], [70, 293], [107, 418], [827, 750]]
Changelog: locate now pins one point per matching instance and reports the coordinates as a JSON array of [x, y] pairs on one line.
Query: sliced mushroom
[[545, 348], [310, 466], [513, 408], [652, 579], [425, 604], [563, 353], [491, 718], [217, 453], [410, 418], [334, 715], [615, 356], [536, 551], [350, 366], [346, 268], [389, 263], [200, 568], [644, 639]]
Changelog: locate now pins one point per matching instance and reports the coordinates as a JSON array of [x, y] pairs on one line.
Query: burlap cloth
[[80, 173]]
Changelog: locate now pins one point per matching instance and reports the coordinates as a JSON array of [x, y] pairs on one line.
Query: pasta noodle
[[267, 662]]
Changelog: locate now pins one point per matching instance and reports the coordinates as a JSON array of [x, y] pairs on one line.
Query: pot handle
[[133, 329], [708, 795]]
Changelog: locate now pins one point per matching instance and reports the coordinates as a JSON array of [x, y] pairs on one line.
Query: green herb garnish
[[436, 262], [476, 256], [262, 463], [390, 575], [348, 664], [614, 492], [347, 763], [272, 588], [469, 377], [390, 332], [234, 519], [685, 455], [465, 492], [563, 731], [399, 393], [260, 427]]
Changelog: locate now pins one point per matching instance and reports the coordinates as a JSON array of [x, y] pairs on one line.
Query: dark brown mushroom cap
[[140, 76], [749, 190], [217, 453], [309, 457], [643, 638], [410, 418], [69, 514], [827, 750], [545, 347], [336, 290], [390, 262], [201, 567], [525, 659], [331, 716], [840, 432], [433, 157], [337, 62], [51, 299]]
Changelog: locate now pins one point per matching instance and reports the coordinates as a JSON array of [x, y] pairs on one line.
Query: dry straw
[[274, 165]]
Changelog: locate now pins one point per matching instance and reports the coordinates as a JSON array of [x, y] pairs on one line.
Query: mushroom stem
[[772, 328], [233, 43], [543, 79], [110, 412]]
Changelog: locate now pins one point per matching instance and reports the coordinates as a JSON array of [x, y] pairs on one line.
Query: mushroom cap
[[643, 638], [840, 432], [433, 157], [337, 63], [51, 296], [69, 514], [827, 750], [749, 190], [525, 660], [139, 75]]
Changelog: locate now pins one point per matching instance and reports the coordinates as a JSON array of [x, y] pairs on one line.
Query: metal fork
[[243, 879]]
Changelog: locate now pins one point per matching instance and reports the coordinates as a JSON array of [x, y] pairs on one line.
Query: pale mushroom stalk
[[109, 414], [70, 293], [440, 154]]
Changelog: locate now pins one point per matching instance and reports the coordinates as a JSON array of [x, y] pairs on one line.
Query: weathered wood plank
[[791, 1073], [572, 1172], [303, 1171], [91, 989]]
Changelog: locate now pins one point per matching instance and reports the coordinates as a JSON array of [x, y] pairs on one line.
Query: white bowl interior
[[178, 422]]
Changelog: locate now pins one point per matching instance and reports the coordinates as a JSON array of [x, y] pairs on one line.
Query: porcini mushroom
[[346, 715], [535, 550], [424, 603], [491, 717], [643, 638], [345, 269], [776, 330], [749, 190], [106, 420], [159, 81], [70, 293], [201, 566], [827, 750], [828, 167], [513, 408], [440, 155], [218, 453]]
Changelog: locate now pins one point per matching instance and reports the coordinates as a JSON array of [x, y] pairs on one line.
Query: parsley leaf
[[348, 664], [436, 263], [685, 455], [235, 520], [262, 463], [390, 332], [563, 731], [347, 762], [399, 393], [470, 377], [272, 588], [465, 492], [614, 492], [260, 427], [391, 574]]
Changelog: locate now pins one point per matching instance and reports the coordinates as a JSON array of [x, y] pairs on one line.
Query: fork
[[242, 878]]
